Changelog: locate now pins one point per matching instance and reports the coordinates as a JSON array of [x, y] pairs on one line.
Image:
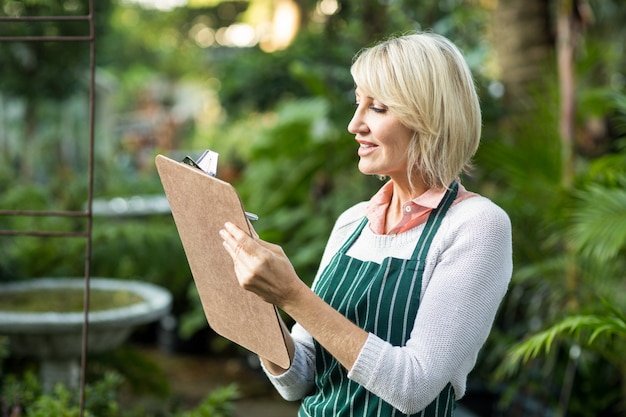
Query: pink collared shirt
[[415, 212]]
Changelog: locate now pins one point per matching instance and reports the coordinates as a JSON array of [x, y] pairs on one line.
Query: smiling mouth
[[366, 148], [365, 144]]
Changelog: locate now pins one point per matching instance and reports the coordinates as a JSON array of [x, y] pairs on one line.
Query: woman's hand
[[261, 267], [264, 269]]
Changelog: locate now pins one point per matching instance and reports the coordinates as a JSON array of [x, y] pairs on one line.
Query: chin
[[365, 170], [368, 170]]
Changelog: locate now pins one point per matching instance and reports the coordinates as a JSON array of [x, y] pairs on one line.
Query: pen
[[251, 216]]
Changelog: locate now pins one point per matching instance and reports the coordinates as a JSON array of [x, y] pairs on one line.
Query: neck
[[402, 192]]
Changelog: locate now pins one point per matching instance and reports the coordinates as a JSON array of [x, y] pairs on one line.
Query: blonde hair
[[425, 82]]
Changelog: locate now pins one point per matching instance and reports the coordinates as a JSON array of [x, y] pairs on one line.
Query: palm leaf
[[599, 228], [613, 323]]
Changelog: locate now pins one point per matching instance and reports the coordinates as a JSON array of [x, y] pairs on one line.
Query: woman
[[410, 282]]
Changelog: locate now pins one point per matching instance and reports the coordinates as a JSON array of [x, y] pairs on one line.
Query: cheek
[[403, 143]]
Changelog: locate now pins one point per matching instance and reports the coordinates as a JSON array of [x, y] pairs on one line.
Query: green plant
[[24, 395], [148, 249], [605, 331], [4, 348], [572, 344], [219, 403], [17, 393], [141, 374]]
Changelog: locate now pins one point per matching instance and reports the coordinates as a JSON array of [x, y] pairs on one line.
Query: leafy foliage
[[578, 238], [218, 403], [23, 397], [583, 329], [30, 69], [599, 228]]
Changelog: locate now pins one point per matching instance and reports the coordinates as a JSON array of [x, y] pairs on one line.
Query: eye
[[377, 109]]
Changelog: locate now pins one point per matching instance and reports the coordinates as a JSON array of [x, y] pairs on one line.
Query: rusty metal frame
[[88, 213]]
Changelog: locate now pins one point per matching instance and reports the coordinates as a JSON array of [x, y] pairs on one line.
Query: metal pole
[[92, 114]]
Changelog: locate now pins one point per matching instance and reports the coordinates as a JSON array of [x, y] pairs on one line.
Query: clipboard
[[200, 206]]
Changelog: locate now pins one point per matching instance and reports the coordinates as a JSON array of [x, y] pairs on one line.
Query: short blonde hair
[[425, 82]]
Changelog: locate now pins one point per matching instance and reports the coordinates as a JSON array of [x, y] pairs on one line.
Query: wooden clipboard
[[200, 205]]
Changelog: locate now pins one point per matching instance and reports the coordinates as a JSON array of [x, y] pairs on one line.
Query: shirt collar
[[376, 209], [429, 199]]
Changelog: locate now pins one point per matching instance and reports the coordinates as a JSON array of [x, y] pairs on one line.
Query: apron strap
[[432, 224], [344, 248]]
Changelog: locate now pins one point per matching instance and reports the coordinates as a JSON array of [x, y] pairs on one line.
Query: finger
[[253, 232], [233, 248], [238, 234], [229, 243], [236, 237], [249, 242], [241, 259], [228, 239], [242, 248]]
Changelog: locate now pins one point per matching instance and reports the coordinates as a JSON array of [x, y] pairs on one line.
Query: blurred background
[[266, 84]]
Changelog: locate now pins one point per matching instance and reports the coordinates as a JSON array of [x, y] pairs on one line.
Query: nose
[[357, 124]]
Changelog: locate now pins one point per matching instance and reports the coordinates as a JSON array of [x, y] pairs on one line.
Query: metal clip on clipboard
[[207, 163]]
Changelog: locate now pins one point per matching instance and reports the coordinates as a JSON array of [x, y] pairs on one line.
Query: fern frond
[[573, 326], [599, 228]]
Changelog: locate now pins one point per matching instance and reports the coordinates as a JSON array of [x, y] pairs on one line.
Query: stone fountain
[[55, 338]]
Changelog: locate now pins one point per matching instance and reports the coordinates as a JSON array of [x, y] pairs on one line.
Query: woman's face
[[384, 141]]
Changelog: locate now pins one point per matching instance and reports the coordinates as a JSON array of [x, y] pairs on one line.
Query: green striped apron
[[382, 299]]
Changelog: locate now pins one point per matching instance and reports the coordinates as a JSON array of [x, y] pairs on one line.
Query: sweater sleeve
[[298, 380], [468, 270]]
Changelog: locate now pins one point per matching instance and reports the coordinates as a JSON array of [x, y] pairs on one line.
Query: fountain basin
[[55, 338]]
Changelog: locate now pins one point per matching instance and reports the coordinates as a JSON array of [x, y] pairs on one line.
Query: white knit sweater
[[467, 272]]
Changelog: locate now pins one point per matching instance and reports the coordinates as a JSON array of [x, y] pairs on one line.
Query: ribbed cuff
[[294, 383], [367, 362]]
